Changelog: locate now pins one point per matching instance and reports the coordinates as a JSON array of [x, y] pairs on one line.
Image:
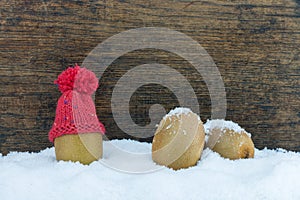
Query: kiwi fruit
[[179, 139], [229, 140], [84, 148]]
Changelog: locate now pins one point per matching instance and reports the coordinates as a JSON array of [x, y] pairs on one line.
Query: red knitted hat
[[75, 112]]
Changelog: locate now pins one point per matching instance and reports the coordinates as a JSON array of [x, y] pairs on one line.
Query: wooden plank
[[255, 45]]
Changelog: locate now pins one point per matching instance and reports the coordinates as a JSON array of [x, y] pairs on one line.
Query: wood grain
[[255, 45]]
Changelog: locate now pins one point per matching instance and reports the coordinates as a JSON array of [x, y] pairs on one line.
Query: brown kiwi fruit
[[179, 140], [84, 148], [230, 143]]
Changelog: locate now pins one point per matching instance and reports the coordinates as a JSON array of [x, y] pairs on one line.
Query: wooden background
[[255, 45]]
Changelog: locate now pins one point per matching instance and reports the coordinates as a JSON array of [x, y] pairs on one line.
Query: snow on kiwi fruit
[[179, 139], [228, 139]]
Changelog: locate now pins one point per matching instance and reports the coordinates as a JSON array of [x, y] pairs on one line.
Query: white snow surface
[[271, 174]]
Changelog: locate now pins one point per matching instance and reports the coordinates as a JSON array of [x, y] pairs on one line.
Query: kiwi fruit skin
[[84, 148], [231, 144], [178, 141]]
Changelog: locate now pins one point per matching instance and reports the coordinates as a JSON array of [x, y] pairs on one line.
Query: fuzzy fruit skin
[[84, 148], [230, 144], [178, 141]]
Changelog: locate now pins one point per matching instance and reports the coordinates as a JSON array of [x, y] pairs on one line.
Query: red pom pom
[[85, 81], [75, 78]]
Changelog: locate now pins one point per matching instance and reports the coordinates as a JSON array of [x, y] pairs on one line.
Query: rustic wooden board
[[255, 45]]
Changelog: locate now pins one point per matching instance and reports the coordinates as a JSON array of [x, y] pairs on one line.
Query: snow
[[178, 111], [272, 174], [222, 124]]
